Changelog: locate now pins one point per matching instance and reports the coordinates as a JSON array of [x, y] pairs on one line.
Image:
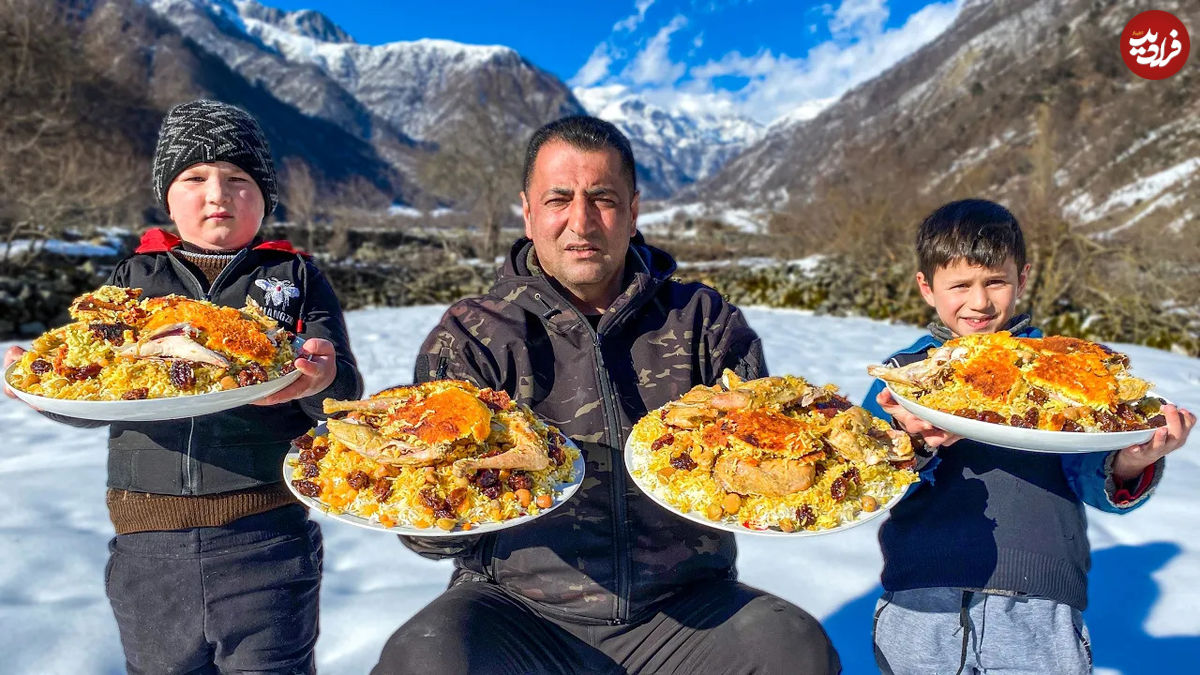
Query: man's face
[[216, 205], [580, 212], [973, 299]]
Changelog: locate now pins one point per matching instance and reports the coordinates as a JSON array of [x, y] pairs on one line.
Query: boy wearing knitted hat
[[214, 564]]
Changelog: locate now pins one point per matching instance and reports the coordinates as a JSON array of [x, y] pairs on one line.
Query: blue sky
[[758, 58]]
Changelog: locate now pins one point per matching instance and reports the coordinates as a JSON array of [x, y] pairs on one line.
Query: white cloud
[[653, 65], [631, 22], [595, 69], [859, 17], [777, 85], [799, 87]]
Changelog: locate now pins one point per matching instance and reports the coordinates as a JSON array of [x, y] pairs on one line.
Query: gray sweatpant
[[951, 630]]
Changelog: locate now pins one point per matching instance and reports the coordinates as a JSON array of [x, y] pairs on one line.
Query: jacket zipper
[[623, 573], [189, 462], [621, 610]]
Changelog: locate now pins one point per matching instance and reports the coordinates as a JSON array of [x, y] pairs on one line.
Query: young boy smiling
[[993, 537]]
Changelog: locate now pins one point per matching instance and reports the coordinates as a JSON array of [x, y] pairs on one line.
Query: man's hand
[[1132, 461], [317, 365], [10, 357], [933, 436]]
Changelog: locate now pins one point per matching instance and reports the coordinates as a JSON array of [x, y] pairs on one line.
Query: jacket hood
[[157, 240]]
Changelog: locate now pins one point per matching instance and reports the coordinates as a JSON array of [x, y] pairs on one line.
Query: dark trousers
[[720, 627], [241, 598]]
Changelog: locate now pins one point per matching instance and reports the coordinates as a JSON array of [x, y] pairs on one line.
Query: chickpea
[[731, 503], [869, 503]]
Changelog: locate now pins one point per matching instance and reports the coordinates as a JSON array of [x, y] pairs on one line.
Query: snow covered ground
[[1145, 582]]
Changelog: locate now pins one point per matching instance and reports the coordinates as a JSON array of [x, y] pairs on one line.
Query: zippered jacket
[[610, 553], [243, 447]]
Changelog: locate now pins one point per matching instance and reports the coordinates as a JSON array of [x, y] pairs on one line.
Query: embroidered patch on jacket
[[277, 296]]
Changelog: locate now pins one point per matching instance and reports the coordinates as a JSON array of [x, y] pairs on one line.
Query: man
[[585, 325]]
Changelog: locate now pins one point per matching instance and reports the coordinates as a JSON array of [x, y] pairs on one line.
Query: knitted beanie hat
[[211, 131]]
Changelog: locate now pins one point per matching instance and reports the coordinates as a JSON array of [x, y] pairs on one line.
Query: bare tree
[[300, 197], [64, 153], [477, 168]]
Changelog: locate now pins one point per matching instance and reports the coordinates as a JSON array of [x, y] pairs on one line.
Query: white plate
[[1034, 440], [736, 528], [562, 492], [154, 409]]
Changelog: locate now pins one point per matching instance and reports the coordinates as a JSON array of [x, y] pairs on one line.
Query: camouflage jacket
[[610, 553]]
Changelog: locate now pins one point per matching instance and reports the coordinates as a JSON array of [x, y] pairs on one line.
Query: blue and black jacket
[[1006, 521]]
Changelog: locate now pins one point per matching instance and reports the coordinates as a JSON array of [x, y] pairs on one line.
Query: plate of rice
[[125, 357], [443, 458], [775, 456], [1055, 394]]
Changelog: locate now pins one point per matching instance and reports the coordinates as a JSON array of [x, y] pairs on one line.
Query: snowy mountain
[[674, 148], [400, 97], [1143, 584], [1025, 101], [405, 95]]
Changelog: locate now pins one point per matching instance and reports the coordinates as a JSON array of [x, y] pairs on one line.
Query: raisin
[[251, 374], [1037, 396], [991, 417], [182, 375], [839, 488], [113, 333], [428, 498], [307, 488], [851, 475], [487, 478], [40, 367], [313, 454], [967, 413], [382, 490], [304, 441], [905, 465], [287, 367], [518, 480], [310, 470], [358, 479], [659, 442], [136, 394], [456, 497], [1031, 418], [1027, 421], [683, 461], [492, 491], [443, 510], [1071, 425], [805, 516], [1157, 421], [1108, 421], [556, 454], [82, 373]]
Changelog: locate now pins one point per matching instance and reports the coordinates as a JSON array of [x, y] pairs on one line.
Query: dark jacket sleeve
[[322, 318], [735, 345], [451, 352], [117, 277]]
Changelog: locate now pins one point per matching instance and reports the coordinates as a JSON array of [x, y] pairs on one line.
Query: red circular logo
[[1155, 44]]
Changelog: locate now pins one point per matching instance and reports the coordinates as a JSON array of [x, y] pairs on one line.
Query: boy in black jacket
[[986, 561], [214, 564]]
